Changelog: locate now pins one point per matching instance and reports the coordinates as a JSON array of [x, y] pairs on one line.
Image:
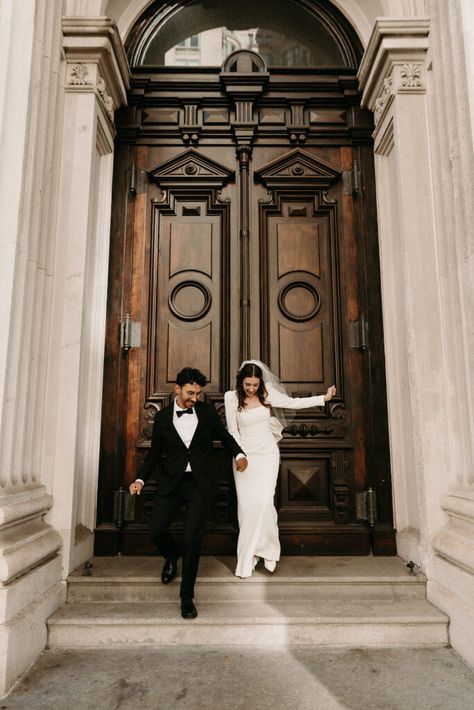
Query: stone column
[[96, 80], [425, 176], [451, 586], [393, 76], [56, 133], [30, 120]]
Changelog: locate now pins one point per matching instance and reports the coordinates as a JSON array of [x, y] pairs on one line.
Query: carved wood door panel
[[309, 284], [249, 244], [301, 313], [185, 305], [189, 291]]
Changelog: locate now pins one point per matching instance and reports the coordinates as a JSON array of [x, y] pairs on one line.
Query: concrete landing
[[191, 678]]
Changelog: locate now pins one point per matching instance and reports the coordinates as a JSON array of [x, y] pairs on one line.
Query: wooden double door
[[244, 226]]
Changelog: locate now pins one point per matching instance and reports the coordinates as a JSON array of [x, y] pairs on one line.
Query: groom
[[181, 443]]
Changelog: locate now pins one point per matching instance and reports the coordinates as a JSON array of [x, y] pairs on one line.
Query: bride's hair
[[250, 370]]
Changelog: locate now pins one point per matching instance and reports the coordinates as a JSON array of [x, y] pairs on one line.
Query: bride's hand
[[330, 393]]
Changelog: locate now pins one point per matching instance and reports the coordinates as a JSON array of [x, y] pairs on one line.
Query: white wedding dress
[[258, 523]]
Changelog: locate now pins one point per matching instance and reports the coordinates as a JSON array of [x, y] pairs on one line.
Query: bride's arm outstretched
[[230, 403], [283, 401]]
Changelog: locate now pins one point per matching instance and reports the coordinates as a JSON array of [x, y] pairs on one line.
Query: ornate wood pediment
[[191, 168], [298, 169]]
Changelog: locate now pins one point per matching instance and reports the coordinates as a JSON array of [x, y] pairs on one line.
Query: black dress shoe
[[188, 610], [169, 570]]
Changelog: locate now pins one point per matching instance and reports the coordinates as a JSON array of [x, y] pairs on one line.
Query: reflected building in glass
[[204, 34], [211, 47]]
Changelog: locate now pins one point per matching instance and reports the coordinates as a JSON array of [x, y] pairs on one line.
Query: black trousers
[[165, 509]]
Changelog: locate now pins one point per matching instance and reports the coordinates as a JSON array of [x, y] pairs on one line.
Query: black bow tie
[[180, 412]]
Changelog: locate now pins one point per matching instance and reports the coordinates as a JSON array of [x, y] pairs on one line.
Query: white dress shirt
[[186, 426]]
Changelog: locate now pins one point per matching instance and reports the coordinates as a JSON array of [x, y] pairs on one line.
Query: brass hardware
[[130, 333], [351, 179], [124, 513], [132, 187], [366, 506], [359, 333], [355, 174], [124, 507]]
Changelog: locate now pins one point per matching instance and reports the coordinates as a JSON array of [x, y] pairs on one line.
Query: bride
[[255, 420]]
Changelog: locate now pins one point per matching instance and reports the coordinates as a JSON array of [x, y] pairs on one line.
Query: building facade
[[65, 74]]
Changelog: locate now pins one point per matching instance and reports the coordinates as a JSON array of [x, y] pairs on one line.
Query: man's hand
[[135, 488], [241, 464]]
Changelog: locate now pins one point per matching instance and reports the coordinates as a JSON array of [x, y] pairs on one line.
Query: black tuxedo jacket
[[170, 453]]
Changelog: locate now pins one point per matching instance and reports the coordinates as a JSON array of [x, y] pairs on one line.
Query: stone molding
[[455, 542], [105, 97], [26, 541], [26, 546], [86, 76], [20, 506], [393, 63], [96, 61]]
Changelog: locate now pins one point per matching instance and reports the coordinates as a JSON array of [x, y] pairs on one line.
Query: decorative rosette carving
[[79, 75], [410, 76]]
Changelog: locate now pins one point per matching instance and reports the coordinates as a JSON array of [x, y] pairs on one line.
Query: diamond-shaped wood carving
[[298, 169], [191, 168], [304, 483]]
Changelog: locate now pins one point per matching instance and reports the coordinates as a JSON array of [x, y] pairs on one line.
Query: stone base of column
[[24, 636], [30, 578], [455, 542], [452, 585]]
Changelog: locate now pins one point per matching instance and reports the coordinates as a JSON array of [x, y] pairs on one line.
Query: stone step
[[296, 578], [356, 623]]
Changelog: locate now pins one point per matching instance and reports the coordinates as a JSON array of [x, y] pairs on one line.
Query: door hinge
[[130, 333], [132, 179], [366, 506], [359, 333], [351, 179], [124, 507]]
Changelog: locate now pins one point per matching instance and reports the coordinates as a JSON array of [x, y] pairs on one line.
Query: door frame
[[359, 124]]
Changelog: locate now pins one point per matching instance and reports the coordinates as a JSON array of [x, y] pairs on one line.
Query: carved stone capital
[[393, 63], [96, 60], [82, 76]]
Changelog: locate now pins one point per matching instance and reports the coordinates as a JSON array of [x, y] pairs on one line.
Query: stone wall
[[30, 565], [61, 82], [415, 79], [451, 578]]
